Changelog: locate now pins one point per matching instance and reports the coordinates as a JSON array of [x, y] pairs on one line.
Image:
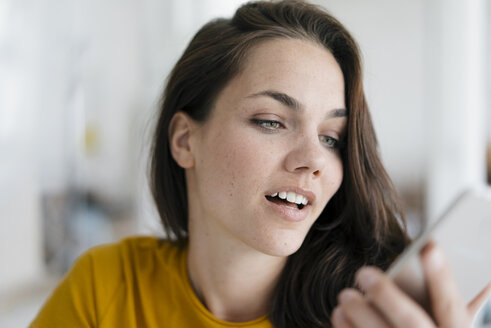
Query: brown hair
[[363, 222]]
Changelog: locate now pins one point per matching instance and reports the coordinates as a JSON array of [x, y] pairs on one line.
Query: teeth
[[291, 197]]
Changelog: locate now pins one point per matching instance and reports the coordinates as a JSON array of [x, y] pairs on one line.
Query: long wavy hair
[[363, 222]]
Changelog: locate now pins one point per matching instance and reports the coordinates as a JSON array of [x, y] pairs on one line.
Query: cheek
[[333, 176], [339, 173], [234, 164]]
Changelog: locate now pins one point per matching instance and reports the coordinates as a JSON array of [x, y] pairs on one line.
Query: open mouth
[[277, 200]]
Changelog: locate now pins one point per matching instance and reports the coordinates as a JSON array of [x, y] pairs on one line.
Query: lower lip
[[290, 213]]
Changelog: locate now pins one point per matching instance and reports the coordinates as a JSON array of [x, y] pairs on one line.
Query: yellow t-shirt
[[138, 282]]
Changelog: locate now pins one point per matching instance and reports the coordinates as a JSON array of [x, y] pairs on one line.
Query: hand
[[385, 305]]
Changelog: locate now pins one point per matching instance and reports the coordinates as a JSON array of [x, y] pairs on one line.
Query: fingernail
[[346, 295], [434, 261], [367, 277], [338, 317]]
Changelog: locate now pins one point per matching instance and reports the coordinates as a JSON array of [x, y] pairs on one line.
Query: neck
[[233, 280]]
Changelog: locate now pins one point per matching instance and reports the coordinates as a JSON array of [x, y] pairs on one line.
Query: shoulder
[[132, 270], [131, 256], [105, 275], [136, 248]]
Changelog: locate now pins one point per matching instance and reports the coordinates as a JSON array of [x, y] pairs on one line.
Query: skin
[[242, 161], [251, 145]]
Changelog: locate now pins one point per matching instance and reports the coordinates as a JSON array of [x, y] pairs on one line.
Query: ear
[[180, 128]]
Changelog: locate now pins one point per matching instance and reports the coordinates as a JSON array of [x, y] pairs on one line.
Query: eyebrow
[[294, 104]]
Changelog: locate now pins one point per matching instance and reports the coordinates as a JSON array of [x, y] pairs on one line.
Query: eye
[[268, 124], [330, 142]]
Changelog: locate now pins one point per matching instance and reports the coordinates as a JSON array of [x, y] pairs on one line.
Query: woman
[[266, 176]]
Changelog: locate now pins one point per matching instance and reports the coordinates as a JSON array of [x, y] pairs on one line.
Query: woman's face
[[273, 132]]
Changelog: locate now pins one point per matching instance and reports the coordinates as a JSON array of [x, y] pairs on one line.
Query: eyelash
[[336, 142], [330, 142], [262, 124]]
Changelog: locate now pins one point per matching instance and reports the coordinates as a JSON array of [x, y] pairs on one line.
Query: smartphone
[[463, 232]]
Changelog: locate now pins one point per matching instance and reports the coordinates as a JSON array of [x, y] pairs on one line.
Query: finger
[[359, 311], [390, 301], [446, 302], [475, 305], [339, 320]]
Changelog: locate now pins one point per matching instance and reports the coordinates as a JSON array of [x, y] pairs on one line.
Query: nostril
[[317, 173]]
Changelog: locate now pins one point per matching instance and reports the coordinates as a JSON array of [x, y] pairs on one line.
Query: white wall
[[456, 100], [65, 68], [21, 252], [20, 92]]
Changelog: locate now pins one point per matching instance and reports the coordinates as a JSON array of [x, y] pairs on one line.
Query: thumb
[[475, 305]]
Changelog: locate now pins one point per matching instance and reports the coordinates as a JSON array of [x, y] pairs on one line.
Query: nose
[[306, 156]]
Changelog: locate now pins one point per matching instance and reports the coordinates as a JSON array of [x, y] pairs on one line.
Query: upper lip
[[306, 193]]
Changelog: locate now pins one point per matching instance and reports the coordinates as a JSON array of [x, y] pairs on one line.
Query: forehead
[[303, 69]]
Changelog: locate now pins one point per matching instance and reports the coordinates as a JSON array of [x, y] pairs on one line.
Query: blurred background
[[79, 86]]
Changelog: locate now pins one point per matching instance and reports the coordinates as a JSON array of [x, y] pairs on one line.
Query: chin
[[281, 247]]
